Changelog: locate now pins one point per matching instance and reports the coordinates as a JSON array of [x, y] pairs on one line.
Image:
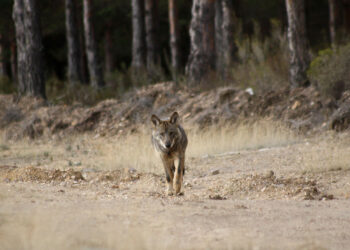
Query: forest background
[[259, 33]]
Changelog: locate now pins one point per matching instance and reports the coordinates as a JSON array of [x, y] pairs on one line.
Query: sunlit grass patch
[[241, 136], [329, 157], [135, 150]]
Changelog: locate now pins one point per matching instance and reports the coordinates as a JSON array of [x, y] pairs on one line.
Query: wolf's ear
[[174, 117], [155, 120]]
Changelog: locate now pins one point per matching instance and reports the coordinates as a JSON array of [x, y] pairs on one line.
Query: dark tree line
[[211, 38]]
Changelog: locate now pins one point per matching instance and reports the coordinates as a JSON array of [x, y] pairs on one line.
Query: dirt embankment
[[301, 108]]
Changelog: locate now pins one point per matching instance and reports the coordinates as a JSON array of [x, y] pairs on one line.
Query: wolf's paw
[[177, 188], [170, 192], [180, 193]]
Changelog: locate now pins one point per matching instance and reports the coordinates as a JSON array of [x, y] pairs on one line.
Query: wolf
[[170, 142]]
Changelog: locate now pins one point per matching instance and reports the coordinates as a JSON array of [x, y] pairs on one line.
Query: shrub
[[60, 92], [263, 64], [329, 68]]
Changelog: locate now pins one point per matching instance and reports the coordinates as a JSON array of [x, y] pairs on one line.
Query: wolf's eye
[[162, 134]]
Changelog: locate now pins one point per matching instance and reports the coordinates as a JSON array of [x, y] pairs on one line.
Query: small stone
[[241, 206], [217, 197], [296, 105], [269, 174], [326, 197], [84, 175], [132, 170], [187, 184], [215, 172]]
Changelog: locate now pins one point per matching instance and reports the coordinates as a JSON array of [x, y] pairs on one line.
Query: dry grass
[[242, 136], [135, 150], [326, 157]]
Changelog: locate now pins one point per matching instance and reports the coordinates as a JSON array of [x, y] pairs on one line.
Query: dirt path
[[290, 197]]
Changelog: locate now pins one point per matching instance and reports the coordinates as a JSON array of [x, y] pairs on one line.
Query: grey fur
[[170, 140]]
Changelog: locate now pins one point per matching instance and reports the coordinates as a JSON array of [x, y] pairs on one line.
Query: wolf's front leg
[[169, 174], [179, 175]]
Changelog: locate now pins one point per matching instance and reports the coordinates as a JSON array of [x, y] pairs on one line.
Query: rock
[[187, 184], [340, 119], [249, 91], [269, 174], [241, 206], [327, 197], [77, 163], [225, 94], [217, 197], [215, 172], [296, 105]]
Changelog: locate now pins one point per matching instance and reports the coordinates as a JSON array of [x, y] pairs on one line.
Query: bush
[[60, 92], [263, 64], [117, 83], [330, 68]]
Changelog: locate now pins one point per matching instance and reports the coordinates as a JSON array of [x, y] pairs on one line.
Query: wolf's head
[[166, 132]]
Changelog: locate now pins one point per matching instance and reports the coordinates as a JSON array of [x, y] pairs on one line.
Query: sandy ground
[[295, 196]]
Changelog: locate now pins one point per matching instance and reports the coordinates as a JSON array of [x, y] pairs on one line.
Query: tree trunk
[[138, 35], [29, 48], [18, 17], [74, 67], [95, 70], [83, 61], [228, 43], [109, 62], [298, 43], [219, 50], [346, 15], [13, 61], [174, 37], [226, 49], [332, 22], [2, 58], [151, 21], [202, 53]]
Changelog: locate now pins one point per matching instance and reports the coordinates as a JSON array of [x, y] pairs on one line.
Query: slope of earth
[[293, 196], [302, 109]]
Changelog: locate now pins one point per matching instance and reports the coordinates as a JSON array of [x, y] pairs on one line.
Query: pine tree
[[298, 43], [29, 48], [74, 60], [94, 65], [202, 29]]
